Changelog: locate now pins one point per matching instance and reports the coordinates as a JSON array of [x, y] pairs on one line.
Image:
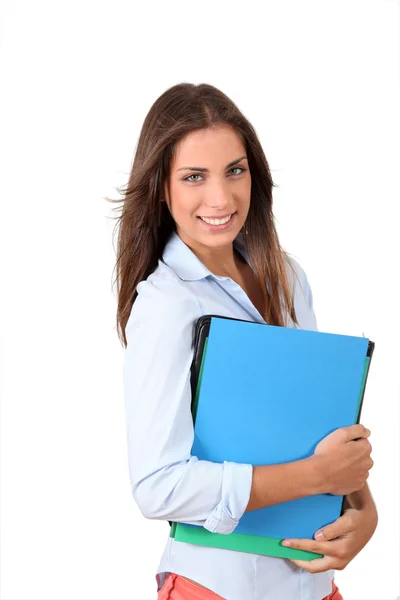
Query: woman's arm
[[360, 500], [167, 481], [273, 484]]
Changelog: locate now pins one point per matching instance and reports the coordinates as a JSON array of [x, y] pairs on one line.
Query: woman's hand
[[344, 459], [343, 540]]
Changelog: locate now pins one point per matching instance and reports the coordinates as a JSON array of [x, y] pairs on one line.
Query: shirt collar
[[185, 263]]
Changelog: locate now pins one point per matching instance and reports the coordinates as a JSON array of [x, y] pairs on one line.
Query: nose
[[218, 197]]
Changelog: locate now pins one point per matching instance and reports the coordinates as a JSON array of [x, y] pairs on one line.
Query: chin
[[215, 241], [210, 239]]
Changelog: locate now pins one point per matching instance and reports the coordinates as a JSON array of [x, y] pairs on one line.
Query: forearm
[[273, 484], [197, 492], [360, 500]]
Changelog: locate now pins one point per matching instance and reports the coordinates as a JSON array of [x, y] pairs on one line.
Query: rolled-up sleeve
[[167, 481]]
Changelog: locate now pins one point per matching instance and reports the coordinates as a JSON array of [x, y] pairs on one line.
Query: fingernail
[[319, 535], [286, 543]]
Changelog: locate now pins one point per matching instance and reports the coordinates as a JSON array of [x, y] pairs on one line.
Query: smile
[[217, 224], [213, 221]]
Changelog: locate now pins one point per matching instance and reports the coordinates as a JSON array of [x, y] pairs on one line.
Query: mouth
[[214, 224]]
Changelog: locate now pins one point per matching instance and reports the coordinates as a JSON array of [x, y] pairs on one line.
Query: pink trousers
[[178, 588]]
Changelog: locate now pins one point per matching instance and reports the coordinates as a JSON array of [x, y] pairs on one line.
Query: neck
[[222, 261]]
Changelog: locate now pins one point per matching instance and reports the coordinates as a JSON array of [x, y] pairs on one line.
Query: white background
[[320, 83]]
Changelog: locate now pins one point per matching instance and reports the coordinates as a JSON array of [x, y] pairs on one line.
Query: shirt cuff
[[236, 488]]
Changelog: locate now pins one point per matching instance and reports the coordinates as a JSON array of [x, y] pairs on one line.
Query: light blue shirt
[[170, 484]]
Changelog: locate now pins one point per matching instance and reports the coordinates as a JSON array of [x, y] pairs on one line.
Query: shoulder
[[298, 280], [302, 295], [163, 303]]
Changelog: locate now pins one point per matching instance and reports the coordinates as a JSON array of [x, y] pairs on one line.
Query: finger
[[354, 432], [309, 545], [318, 565], [342, 526]]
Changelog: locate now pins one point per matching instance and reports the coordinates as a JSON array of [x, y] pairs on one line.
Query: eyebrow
[[202, 170]]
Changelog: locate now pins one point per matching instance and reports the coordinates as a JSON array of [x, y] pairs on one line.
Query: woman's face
[[210, 178]]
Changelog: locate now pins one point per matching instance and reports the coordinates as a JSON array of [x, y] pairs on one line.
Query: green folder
[[254, 544]]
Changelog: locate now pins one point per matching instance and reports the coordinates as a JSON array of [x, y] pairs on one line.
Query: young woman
[[197, 236]]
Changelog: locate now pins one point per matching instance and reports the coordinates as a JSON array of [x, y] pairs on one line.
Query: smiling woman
[[198, 156], [197, 236], [218, 201]]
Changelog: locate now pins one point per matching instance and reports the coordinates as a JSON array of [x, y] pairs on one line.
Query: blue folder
[[267, 395]]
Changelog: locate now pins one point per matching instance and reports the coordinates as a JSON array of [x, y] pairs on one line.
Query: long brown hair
[[145, 222]]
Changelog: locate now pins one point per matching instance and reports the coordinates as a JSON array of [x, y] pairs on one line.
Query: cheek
[[185, 202], [247, 186]]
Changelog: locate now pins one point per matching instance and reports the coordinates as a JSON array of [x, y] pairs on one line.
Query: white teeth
[[216, 221]]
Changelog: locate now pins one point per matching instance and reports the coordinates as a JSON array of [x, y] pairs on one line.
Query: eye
[[190, 180], [241, 169]]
